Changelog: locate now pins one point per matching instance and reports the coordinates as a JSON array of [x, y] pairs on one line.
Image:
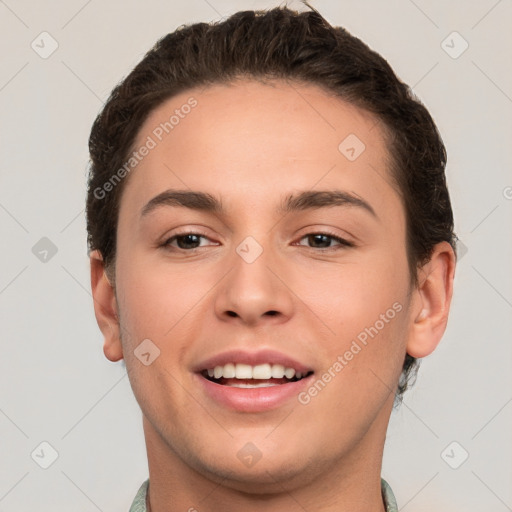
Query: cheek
[[157, 301], [351, 295], [364, 303]]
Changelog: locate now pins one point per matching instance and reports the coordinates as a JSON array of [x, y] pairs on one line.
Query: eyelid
[[168, 238], [324, 229], [342, 242]]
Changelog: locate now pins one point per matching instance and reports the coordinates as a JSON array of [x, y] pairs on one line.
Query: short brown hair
[[278, 44]]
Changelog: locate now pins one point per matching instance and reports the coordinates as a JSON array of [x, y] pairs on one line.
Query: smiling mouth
[[246, 376]]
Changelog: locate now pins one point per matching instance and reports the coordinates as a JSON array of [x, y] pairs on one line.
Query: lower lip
[[253, 399]]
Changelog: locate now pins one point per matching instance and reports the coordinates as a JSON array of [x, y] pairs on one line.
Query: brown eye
[[186, 241], [324, 240]]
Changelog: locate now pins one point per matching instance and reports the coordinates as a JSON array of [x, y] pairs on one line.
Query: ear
[[432, 301], [105, 308]]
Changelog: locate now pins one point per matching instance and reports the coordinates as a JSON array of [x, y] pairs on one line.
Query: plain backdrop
[[449, 446]]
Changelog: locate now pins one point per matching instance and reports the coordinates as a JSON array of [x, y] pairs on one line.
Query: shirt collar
[[139, 503], [388, 497]]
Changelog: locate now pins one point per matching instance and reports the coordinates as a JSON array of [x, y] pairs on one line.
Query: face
[[289, 256]]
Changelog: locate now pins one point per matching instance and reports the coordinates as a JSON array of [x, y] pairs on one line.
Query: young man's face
[[255, 285]]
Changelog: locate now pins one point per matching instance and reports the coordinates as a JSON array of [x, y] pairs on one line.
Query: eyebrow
[[306, 200], [309, 200]]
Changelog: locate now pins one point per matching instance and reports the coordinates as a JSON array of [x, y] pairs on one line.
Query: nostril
[[272, 313]]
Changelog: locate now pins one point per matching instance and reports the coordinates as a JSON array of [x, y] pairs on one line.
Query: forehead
[[251, 142]]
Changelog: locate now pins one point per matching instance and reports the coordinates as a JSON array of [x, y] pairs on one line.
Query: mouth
[[252, 381], [256, 388], [240, 375]]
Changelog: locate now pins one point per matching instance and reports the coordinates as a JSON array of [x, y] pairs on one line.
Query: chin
[[265, 475]]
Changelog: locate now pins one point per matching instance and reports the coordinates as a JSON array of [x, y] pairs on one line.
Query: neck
[[348, 484]]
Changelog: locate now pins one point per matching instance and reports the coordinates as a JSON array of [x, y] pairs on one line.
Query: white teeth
[[277, 371], [255, 385], [243, 371], [217, 372], [289, 373], [261, 371], [229, 371]]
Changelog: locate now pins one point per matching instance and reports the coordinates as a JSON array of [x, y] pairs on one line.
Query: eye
[[323, 241], [186, 241], [190, 241]]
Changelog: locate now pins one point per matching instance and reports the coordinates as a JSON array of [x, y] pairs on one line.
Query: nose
[[254, 291]]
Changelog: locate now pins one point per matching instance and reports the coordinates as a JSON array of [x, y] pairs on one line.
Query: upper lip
[[253, 359]]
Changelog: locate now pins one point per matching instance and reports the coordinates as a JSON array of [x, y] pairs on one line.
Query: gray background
[[56, 386]]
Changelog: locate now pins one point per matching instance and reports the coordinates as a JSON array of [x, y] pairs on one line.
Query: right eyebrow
[[184, 198]]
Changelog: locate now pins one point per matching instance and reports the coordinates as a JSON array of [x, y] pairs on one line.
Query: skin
[[252, 144]]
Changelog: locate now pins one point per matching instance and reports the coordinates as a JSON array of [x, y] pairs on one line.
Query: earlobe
[[433, 299], [105, 308]]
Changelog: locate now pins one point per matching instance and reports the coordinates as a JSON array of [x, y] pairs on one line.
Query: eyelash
[[342, 242]]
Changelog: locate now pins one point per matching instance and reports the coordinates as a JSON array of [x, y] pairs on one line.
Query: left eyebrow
[[312, 200], [306, 200]]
